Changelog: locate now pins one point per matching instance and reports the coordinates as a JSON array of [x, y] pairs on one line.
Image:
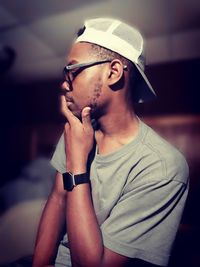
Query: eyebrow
[[72, 62]]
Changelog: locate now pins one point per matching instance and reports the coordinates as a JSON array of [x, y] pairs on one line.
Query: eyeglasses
[[71, 71]]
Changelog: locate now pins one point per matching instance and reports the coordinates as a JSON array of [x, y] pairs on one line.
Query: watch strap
[[70, 180], [81, 178]]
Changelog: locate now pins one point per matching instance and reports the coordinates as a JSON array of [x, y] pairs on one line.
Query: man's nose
[[65, 86]]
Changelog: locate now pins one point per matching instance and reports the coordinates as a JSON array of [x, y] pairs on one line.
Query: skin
[[95, 93], [98, 87], [87, 93]]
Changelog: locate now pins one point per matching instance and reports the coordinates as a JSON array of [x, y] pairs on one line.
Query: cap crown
[[116, 36]]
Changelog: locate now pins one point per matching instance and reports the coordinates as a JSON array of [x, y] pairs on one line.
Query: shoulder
[[161, 158]]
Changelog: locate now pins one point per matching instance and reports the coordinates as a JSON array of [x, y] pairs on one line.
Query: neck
[[119, 121], [117, 127]]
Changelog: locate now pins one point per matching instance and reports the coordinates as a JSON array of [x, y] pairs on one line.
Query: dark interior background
[[31, 126]]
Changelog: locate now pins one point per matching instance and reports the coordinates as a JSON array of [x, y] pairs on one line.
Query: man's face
[[87, 86]]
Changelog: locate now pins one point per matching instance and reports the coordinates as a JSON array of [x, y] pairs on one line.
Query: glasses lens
[[67, 76]]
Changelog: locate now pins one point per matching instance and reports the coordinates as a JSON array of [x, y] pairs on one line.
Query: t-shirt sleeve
[[144, 222], [58, 160]]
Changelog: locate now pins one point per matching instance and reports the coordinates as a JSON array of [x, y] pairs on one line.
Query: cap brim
[[143, 91]]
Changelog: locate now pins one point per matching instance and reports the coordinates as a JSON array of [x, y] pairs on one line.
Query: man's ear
[[115, 72]]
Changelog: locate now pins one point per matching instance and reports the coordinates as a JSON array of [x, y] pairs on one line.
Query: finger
[[86, 120], [63, 105], [66, 127], [65, 110]]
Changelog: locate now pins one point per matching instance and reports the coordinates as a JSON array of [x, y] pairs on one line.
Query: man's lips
[[69, 99]]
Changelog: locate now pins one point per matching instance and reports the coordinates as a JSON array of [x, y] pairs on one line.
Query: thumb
[[86, 120]]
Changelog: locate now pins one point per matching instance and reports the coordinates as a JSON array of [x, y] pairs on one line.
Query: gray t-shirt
[[138, 193]]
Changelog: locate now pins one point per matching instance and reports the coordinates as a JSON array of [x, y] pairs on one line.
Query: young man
[[126, 208]]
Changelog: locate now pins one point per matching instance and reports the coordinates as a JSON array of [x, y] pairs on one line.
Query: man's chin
[[76, 113]]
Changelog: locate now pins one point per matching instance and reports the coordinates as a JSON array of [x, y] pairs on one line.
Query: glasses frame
[[80, 67]]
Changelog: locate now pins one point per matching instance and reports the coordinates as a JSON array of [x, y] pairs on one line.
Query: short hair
[[133, 75]]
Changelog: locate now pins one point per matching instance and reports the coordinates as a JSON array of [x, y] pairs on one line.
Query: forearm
[[49, 231], [84, 234]]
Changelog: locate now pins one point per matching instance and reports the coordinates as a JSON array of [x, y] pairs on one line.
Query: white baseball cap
[[125, 40]]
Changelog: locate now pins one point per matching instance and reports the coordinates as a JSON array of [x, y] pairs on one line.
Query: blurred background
[[34, 39]]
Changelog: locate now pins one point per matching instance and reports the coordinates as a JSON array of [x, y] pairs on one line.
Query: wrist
[[78, 170], [77, 167], [71, 180]]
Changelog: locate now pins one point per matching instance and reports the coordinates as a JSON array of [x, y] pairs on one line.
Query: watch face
[[68, 181]]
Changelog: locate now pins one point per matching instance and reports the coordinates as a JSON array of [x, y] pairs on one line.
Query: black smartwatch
[[71, 180]]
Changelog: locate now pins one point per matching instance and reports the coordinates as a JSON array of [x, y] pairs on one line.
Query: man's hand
[[78, 138]]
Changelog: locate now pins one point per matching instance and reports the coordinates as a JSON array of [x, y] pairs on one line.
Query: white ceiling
[[41, 31]]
